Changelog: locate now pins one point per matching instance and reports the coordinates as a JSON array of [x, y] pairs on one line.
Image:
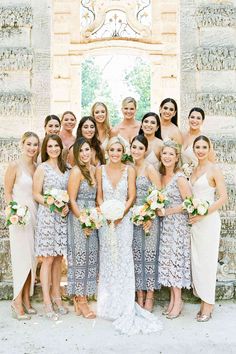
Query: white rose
[[190, 209], [196, 202], [21, 211], [201, 210]]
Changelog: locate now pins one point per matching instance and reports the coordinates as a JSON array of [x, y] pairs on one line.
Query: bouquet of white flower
[[157, 199], [56, 199], [195, 206], [112, 209], [91, 218], [17, 214]]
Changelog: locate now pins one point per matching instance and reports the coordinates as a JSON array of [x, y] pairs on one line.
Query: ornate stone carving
[[217, 104], [12, 59], [227, 259], [125, 18], [12, 18], [15, 103], [225, 149], [9, 150], [188, 61], [216, 15], [216, 58]]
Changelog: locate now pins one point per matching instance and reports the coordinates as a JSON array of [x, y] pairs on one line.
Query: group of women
[[180, 250]]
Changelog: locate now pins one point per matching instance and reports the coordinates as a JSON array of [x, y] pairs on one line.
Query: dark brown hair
[[142, 139], [51, 117], [152, 114], [204, 138], [44, 155], [199, 110], [67, 112], [95, 142], [76, 151], [174, 119]]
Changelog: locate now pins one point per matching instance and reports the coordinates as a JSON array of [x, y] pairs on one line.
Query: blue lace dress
[[82, 251], [145, 248]]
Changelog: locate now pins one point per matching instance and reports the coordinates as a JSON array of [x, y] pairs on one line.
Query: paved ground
[[73, 334]]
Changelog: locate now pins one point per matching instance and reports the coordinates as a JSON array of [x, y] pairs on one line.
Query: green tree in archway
[[139, 79]]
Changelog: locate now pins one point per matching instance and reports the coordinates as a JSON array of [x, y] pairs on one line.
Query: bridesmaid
[[87, 128], [52, 124], [99, 112], [206, 179], [145, 248], [169, 120], [82, 244], [68, 123], [129, 127], [51, 228], [18, 187], [151, 129], [174, 253], [196, 119]]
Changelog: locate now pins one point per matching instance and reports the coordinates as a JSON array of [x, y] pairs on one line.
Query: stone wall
[[25, 78], [208, 77]]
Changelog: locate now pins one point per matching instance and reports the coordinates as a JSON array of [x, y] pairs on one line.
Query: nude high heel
[[17, 316]]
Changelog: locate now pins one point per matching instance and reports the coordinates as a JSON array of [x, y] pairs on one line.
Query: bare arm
[[131, 189], [98, 175], [73, 188], [154, 176], [178, 137], [185, 191], [38, 185], [9, 181], [221, 189]]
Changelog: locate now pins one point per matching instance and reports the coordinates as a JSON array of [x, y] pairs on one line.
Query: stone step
[[224, 291]]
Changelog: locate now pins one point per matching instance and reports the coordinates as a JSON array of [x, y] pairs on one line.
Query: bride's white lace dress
[[116, 288]]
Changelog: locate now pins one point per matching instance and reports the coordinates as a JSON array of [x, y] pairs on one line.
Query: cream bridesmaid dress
[[205, 245], [188, 156], [22, 237]]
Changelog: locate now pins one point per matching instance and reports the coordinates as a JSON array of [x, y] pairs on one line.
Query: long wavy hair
[[44, 155], [152, 114], [174, 119], [76, 151], [95, 142], [176, 147], [106, 122]]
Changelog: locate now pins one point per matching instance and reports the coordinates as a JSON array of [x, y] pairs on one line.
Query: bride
[[116, 288]]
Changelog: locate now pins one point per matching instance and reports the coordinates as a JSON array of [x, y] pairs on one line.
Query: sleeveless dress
[[153, 160], [82, 251], [174, 252], [205, 245], [188, 156], [51, 228], [22, 237], [145, 248], [116, 287]]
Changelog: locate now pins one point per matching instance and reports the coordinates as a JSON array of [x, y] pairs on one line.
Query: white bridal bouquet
[[91, 218], [195, 206], [56, 199], [112, 209], [17, 214]]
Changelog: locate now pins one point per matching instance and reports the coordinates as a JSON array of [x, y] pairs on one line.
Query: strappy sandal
[[59, 308], [89, 316], [50, 313]]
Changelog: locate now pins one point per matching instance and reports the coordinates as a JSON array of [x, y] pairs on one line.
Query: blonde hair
[[106, 122], [129, 100], [115, 140], [172, 144], [27, 135]]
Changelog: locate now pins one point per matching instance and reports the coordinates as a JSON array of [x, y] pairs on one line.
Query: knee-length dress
[[51, 227], [145, 248], [22, 237], [174, 267], [82, 252], [205, 245]]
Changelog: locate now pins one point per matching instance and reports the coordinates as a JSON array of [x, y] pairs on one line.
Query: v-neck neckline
[[122, 175]]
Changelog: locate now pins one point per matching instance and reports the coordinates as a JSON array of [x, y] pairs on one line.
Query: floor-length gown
[[116, 287], [205, 245], [82, 254], [22, 237], [145, 248]]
